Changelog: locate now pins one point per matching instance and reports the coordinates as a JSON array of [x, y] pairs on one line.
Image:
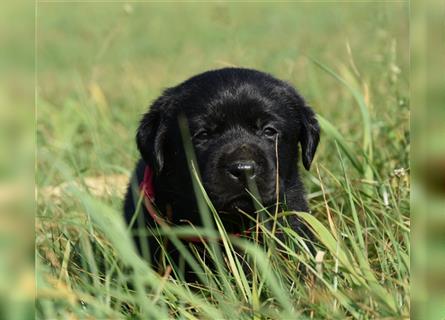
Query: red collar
[[148, 190], [147, 186]]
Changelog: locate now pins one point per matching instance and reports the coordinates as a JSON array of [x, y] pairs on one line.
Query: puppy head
[[244, 125]]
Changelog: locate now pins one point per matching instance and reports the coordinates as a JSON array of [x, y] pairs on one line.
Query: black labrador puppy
[[244, 126]]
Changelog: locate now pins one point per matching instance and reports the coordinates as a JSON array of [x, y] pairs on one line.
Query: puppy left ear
[[309, 135], [152, 131]]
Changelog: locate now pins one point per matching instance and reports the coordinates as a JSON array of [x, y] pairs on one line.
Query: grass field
[[99, 66]]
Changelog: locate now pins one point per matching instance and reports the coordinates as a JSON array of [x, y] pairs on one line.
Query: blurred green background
[[428, 160], [100, 65], [17, 140]]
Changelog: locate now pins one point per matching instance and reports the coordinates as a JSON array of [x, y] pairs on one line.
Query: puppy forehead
[[227, 108], [248, 113]]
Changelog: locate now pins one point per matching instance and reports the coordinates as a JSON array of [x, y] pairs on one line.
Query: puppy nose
[[239, 170]]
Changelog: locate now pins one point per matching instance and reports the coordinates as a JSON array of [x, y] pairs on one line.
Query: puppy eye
[[202, 135], [270, 132]]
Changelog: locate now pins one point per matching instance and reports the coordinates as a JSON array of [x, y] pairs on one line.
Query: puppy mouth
[[233, 212], [239, 203], [242, 201]]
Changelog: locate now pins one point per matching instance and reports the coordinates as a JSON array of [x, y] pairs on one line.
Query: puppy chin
[[247, 204], [244, 204], [233, 205]]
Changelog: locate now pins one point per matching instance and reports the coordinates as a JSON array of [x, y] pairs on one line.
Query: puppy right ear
[[310, 135], [151, 134]]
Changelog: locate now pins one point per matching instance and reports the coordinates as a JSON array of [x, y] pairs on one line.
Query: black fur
[[235, 117]]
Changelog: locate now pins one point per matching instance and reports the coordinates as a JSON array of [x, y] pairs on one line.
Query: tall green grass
[[363, 271], [361, 268], [358, 187]]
